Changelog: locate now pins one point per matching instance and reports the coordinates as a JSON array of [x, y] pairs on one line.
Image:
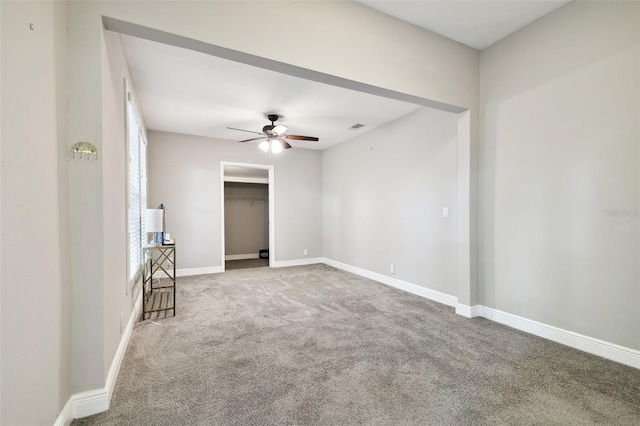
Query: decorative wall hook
[[84, 148]]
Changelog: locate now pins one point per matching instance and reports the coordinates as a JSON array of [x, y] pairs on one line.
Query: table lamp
[[153, 222]]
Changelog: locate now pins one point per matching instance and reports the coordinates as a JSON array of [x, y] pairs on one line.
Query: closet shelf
[[246, 197]]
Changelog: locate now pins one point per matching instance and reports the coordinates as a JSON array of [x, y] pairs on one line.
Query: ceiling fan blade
[[300, 138], [242, 130], [279, 129], [285, 144], [253, 139]]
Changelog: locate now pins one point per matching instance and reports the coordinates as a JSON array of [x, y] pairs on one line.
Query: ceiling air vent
[[356, 126]]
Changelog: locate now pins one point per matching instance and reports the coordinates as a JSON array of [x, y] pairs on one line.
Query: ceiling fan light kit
[[276, 146], [273, 137], [279, 129], [273, 145]]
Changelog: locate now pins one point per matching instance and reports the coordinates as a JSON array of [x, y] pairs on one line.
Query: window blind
[[135, 191], [143, 187]]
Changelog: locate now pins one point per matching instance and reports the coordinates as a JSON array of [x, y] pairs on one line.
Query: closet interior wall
[[246, 212]]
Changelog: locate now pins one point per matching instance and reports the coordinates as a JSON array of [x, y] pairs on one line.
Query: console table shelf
[[158, 297]]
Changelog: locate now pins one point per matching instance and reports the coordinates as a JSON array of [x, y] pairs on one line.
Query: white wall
[[184, 174], [383, 194], [119, 294], [35, 362], [246, 220], [85, 202], [559, 141]]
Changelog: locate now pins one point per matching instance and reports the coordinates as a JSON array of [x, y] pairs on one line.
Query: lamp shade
[[153, 220]]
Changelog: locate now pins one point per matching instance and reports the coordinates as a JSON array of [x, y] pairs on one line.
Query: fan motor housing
[[268, 129]]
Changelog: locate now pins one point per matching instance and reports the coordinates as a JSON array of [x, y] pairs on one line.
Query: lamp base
[[159, 237]]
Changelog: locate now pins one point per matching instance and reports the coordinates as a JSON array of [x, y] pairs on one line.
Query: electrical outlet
[[306, 252], [392, 269], [121, 323]]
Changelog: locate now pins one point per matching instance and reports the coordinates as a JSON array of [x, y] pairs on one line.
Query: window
[[137, 187]]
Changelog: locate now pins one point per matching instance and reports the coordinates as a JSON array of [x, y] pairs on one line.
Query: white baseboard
[[95, 401], [621, 354], [90, 402], [66, 415], [443, 298], [199, 271], [611, 351], [468, 311], [122, 348], [242, 256], [297, 262]]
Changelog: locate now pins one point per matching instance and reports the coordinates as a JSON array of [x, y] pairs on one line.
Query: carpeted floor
[[245, 263], [315, 345]]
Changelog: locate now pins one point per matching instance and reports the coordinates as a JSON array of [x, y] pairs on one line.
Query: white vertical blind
[[143, 187], [137, 187]]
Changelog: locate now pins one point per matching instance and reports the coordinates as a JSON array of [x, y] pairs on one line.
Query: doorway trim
[[272, 210]]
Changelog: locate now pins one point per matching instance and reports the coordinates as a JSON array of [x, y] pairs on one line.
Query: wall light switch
[[306, 252], [445, 212], [392, 269]]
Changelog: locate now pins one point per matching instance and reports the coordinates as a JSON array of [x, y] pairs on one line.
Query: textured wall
[[246, 220], [184, 174], [559, 143], [383, 195], [119, 295], [35, 338]]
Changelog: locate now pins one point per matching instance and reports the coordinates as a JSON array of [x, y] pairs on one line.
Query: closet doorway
[[246, 209]]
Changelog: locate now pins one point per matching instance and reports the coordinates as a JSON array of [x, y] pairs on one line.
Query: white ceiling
[[184, 91], [476, 23], [189, 92]]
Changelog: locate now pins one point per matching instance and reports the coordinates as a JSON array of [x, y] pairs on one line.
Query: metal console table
[[159, 260]]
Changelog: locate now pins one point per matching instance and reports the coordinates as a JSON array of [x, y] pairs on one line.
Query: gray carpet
[[245, 263], [315, 345]]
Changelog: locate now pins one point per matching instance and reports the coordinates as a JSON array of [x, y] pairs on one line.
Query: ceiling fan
[[274, 136]]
